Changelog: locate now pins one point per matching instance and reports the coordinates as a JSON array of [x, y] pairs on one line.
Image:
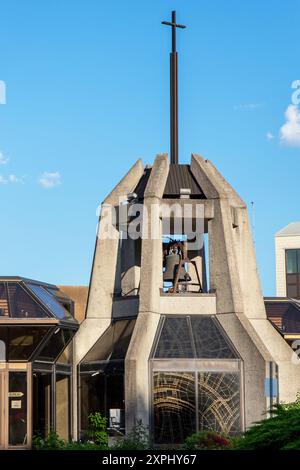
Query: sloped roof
[[179, 177], [28, 299], [284, 314], [291, 229]]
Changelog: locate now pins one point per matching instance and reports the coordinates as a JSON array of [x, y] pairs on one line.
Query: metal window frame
[[193, 365], [236, 366]]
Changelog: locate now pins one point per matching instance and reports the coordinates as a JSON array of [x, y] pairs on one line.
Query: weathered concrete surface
[[103, 280], [237, 300], [137, 398]]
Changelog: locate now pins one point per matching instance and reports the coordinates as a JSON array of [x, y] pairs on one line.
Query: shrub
[[97, 434], [207, 440], [51, 442], [136, 439], [97, 431], [280, 432]]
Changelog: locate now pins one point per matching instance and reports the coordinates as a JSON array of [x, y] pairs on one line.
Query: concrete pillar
[[103, 280], [137, 399]]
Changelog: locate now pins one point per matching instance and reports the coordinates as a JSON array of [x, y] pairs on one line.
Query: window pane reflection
[[17, 402], [174, 406], [42, 400], [63, 406], [219, 402]]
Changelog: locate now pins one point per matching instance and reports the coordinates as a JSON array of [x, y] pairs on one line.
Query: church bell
[[172, 262]]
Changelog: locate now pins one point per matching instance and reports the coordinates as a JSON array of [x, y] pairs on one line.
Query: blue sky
[[87, 93]]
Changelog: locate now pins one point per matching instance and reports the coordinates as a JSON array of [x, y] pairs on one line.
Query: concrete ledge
[[190, 303]]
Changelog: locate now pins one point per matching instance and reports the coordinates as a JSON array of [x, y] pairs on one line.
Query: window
[[17, 408], [102, 376], [56, 344], [196, 379], [22, 305], [42, 402], [49, 300], [219, 401], [174, 406], [199, 336], [62, 399], [293, 273]]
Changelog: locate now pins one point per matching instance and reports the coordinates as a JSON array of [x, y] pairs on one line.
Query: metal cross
[[174, 26], [174, 90]]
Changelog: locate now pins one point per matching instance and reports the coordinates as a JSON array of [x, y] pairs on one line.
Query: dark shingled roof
[[179, 177], [141, 186], [284, 313]]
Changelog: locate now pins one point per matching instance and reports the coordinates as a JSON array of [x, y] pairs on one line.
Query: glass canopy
[[22, 298], [111, 347], [36, 322]]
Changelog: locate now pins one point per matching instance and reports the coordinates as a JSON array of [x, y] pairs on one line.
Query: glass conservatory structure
[[195, 384], [36, 331]]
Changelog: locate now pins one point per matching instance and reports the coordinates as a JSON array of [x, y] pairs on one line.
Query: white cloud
[[269, 136], [290, 131], [248, 106], [11, 179], [3, 159], [50, 180], [15, 179]]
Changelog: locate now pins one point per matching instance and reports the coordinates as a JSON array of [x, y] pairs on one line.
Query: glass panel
[[4, 312], [219, 402], [22, 305], [210, 339], [175, 339], [48, 299], [92, 397], [115, 404], [291, 261], [293, 285], [17, 403], [67, 355], [23, 340], [55, 344], [292, 291], [113, 344], [3, 343], [63, 406], [41, 403], [174, 407], [2, 416]]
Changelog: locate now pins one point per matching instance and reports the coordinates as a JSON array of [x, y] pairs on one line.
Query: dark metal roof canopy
[[174, 89]]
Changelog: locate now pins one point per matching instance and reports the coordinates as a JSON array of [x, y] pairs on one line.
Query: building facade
[[180, 345], [287, 249], [36, 361], [170, 332]]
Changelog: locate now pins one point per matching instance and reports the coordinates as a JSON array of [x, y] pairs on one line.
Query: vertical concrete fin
[[213, 183], [198, 170], [104, 270], [158, 177], [126, 185]]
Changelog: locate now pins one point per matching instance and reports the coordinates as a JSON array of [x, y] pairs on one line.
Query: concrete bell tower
[[212, 346], [196, 352]]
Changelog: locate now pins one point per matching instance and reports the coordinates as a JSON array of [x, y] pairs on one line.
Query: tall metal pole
[[174, 90]]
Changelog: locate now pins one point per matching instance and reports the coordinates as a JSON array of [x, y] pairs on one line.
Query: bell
[[172, 262]]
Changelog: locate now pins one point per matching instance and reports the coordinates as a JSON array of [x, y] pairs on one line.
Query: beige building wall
[[79, 295], [287, 238]]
